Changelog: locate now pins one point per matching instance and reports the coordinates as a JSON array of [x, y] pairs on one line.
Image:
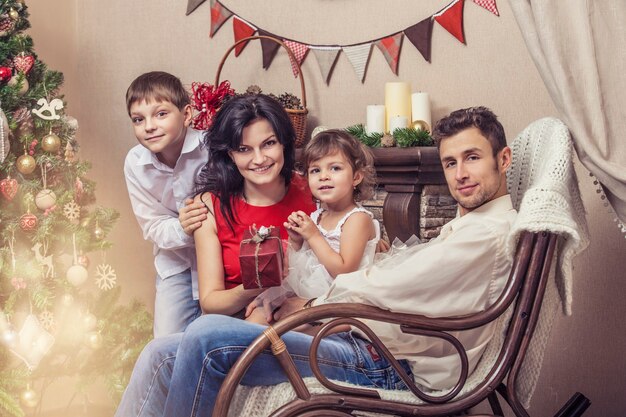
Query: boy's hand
[[192, 215]]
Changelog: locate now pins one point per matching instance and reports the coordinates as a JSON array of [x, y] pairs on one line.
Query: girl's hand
[[301, 223], [295, 238], [192, 215]]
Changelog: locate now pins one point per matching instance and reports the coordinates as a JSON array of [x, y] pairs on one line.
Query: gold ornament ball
[[28, 398], [26, 164], [94, 340], [98, 233], [89, 322], [14, 14], [45, 199], [67, 299], [77, 275], [51, 143], [421, 125], [24, 88]]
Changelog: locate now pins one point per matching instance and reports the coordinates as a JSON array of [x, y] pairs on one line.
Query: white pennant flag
[[358, 56], [326, 59]]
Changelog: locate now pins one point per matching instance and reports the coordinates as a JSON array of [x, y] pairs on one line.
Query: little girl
[[339, 237]]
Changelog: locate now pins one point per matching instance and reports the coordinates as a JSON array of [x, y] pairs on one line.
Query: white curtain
[[579, 47]]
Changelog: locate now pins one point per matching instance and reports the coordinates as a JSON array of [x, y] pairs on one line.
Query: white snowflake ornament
[[106, 277], [47, 320], [71, 210]]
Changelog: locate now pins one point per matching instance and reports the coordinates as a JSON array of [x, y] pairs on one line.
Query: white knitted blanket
[[544, 190]]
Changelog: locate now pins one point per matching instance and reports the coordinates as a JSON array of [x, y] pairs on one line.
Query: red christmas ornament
[[5, 73], [23, 63], [83, 260], [8, 188], [28, 222]]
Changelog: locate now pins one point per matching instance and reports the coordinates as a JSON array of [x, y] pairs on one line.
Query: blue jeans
[[180, 375], [174, 306]]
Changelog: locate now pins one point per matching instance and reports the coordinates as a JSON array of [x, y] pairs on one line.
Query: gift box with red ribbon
[[261, 258]]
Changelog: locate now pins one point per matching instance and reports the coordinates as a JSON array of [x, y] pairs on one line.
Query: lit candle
[[397, 101], [420, 108], [398, 122], [375, 119]]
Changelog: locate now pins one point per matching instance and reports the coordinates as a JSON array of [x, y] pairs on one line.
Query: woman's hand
[[192, 215]]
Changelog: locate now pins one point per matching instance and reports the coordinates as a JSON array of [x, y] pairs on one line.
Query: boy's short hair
[[157, 86], [479, 117]]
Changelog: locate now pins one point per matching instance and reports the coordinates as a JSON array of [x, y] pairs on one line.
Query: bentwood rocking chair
[[543, 250]]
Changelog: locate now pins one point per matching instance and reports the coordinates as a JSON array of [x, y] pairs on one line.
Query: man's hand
[[382, 246], [192, 215], [261, 303], [289, 306]]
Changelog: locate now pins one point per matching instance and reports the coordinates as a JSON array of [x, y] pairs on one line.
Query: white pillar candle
[[375, 119], [420, 108], [397, 101], [398, 122]]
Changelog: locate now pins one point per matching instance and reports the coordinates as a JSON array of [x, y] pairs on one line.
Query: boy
[[160, 175]]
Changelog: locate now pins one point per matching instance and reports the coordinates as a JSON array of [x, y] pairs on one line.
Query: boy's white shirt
[[156, 194]]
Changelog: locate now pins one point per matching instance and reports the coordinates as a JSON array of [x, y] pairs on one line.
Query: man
[[462, 271]]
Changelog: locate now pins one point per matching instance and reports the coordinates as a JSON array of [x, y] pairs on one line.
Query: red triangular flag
[[452, 20], [390, 47], [488, 5], [299, 52], [218, 16], [420, 35], [269, 48], [241, 30]]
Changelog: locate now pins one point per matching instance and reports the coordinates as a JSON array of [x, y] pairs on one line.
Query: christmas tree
[[59, 317]]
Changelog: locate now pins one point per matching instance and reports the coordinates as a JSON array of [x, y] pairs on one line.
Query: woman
[[248, 180]]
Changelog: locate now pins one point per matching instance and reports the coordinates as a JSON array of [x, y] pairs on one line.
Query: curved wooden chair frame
[[525, 287]]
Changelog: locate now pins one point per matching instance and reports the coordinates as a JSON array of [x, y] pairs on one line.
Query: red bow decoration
[[207, 99]]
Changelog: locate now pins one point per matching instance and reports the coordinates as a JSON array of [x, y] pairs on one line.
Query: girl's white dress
[[307, 277]]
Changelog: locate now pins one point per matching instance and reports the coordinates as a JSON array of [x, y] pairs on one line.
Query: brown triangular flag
[[269, 48], [193, 5], [420, 35]]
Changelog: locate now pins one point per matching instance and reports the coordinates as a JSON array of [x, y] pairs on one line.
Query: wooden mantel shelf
[[403, 172]]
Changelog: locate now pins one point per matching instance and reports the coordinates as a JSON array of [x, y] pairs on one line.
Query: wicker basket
[[298, 117]]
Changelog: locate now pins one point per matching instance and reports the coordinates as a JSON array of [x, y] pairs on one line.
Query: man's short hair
[[479, 117], [157, 86]]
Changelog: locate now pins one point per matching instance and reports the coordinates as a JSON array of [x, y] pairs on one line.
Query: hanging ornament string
[[2, 145], [75, 253], [44, 174], [11, 248]]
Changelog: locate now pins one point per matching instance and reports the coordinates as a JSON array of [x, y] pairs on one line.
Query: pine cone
[[25, 123], [254, 89], [387, 141], [289, 101]]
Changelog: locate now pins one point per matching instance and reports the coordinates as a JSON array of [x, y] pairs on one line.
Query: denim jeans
[[180, 375], [174, 306]]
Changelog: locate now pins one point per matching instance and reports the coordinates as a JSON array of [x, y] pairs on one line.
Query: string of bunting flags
[[420, 34]]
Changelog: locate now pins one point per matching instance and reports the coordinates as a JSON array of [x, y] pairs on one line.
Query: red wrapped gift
[[261, 258]]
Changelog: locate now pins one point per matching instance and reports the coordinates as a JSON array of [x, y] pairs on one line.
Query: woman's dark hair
[[220, 175]]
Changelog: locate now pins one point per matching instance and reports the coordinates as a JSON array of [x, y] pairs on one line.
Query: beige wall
[[102, 46]]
